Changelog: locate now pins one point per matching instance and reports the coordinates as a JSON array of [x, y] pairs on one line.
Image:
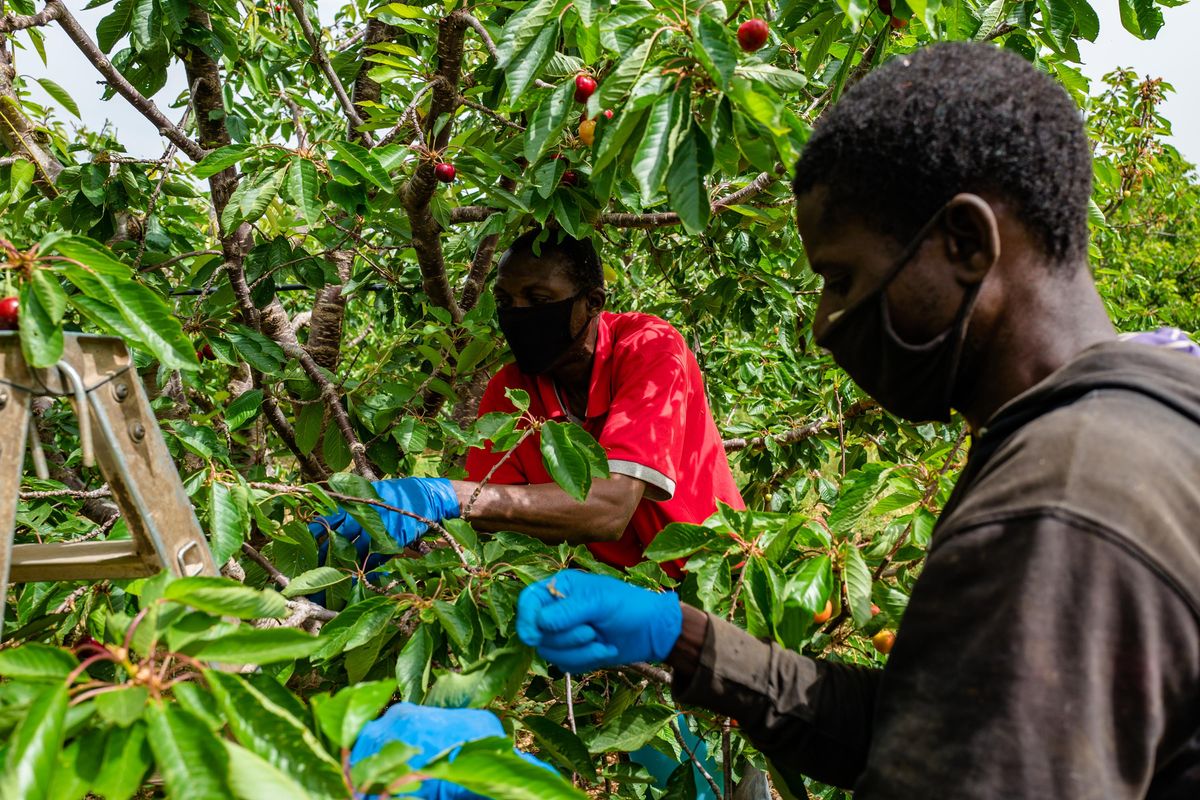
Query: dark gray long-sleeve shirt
[[1051, 648]]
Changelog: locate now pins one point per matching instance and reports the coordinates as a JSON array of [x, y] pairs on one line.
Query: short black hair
[[583, 263], [950, 118]]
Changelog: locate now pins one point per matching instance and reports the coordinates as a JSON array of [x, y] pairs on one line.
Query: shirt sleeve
[[481, 460], [644, 432], [1036, 659]]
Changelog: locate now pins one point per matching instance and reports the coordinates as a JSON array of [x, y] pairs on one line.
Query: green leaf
[[615, 137], [61, 95], [229, 519], [41, 335], [681, 539], [363, 162], [591, 450], [113, 28], [144, 316], [490, 767], [858, 584], [193, 762], [781, 80], [454, 622], [651, 158], [20, 179], [124, 763], [124, 706], [271, 731], [1142, 18], [859, 490], [547, 121], [566, 465], [623, 76], [501, 672], [632, 729], [304, 187], [37, 662], [1059, 19], [250, 200], [34, 747], [221, 159], [242, 411], [413, 666], [252, 777], [226, 597], [522, 28], [560, 744], [811, 585], [690, 164], [147, 24], [258, 646], [924, 10], [343, 715], [531, 61], [313, 581], [383, 767], [260, 352], [989, 18], [715, 50]]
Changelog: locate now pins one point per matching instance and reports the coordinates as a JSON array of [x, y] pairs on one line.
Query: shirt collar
[[600, 388]]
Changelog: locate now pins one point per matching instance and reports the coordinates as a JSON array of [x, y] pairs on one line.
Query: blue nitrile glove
[[431, 498], [580, 622], [432, 731]]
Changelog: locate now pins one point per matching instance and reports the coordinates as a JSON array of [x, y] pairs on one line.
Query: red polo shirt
[[647, 408]]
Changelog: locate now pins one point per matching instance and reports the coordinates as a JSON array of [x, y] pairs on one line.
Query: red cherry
[[445, 172], [898, 23], [874, 609], [555, 156], [8, 313], [205, 353], [752, 34], [585, 87], [608, 113], [570, 178], [883, 641], [886, 7]]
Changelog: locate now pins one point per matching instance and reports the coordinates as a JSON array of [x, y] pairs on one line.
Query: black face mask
[[913, 382], [540, 335]]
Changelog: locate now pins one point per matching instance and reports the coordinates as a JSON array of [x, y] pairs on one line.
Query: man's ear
[[596, 298], [972, 237]]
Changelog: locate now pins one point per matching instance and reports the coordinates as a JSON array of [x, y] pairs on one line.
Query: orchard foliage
[[304, 283]]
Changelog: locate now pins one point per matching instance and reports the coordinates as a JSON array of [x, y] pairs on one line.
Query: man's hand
[[431, 731], [580, 622], [431, 498]]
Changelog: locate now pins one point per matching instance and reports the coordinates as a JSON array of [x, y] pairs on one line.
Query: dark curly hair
[[583, 263], [952, 118]]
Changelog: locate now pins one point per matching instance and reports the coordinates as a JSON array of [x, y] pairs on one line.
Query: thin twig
[[692, 756], [314, 42]]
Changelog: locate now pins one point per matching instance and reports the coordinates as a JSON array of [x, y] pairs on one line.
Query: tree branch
[[20, 135], [366, 88], [418, 190], [123, 87], [17, 22], [314, 42]]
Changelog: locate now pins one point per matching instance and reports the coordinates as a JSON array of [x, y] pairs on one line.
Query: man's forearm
[[809, 717], [548, 513]]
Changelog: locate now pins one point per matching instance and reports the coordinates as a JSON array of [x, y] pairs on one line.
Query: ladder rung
[[78, 561]]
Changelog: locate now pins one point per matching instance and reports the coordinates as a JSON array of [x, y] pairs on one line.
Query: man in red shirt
[[628, 379]]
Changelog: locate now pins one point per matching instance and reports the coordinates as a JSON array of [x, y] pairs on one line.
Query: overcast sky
[[1171, 56]]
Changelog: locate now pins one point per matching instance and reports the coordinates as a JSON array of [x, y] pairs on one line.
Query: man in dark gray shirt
[[1051, 648]]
